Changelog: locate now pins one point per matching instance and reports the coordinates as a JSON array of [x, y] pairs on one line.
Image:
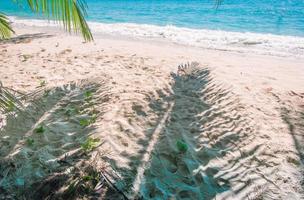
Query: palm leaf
[[9, 100], [5, 28], [71, 13]]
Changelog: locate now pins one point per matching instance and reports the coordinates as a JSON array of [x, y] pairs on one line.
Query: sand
[[240, 116]]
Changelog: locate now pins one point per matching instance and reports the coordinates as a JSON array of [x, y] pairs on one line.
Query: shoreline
[[42, 20], [243, 42]]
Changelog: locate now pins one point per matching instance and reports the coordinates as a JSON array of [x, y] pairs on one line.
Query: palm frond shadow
[[34, 160], [293, 117], [213, 123], [25, 38]]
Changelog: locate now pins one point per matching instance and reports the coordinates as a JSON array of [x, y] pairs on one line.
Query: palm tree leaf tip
[[5, 28], [71, 13]]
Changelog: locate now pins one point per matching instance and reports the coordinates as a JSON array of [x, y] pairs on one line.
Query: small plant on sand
[[42, 83], [84, 122], [87, 122], [71, 111], [88, 95], [90, 144], [182, 147], [84, 184], [39, 129], [30, 141], [88, 178]]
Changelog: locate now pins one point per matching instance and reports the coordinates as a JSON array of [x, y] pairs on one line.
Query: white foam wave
[[212, 39]]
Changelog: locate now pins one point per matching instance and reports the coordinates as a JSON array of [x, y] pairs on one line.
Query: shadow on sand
[[41, 147], [25, 38], [213, 125], [293, 116]]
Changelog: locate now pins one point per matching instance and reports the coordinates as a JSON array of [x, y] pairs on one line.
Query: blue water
[[280, 17]]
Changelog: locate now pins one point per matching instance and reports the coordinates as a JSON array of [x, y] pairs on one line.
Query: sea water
[[273, 27]]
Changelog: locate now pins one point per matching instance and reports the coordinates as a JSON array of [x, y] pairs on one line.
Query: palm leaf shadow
[[25, 38], [293, 117], [28, 157], [213, 123]]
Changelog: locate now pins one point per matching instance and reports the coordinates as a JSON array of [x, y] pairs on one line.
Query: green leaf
[[90, 144], [30, 142], [10, 106], [87, 178], [9, 100], [70, 13], [84, 122], [39, 129], [5, 28], [87, 122], [181, 146], [88, 95]]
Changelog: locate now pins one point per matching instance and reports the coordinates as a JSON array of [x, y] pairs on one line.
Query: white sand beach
[[240, 114]]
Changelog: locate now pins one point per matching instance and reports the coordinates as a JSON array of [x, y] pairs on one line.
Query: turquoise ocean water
[[260, 24]]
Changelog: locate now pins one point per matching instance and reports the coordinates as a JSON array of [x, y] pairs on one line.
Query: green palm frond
[[9, 100], [70, 12], [5, 28]]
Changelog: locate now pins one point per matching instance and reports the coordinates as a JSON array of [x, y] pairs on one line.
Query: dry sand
[[241, 116]]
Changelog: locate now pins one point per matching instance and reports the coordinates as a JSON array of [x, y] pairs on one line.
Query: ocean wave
[[257, 43]]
